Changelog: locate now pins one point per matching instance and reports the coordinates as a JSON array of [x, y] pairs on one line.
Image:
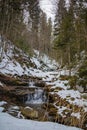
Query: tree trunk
[[69, 59]]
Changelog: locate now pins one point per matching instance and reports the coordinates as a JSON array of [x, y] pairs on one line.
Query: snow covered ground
[[7, 122], [9, 64], [44, 69], [44, 65]]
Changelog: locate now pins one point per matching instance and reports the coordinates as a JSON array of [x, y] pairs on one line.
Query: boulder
[[30, 113]]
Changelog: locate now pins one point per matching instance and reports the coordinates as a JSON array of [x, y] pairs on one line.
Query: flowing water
[[36, 96]]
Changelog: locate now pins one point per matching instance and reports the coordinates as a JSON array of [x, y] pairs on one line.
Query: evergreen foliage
[[70, 30], [12, 24]]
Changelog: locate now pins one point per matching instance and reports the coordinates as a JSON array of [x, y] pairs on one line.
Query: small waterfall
[[38, 96]]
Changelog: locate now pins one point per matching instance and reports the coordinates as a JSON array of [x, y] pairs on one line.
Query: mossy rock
[[29, 113]]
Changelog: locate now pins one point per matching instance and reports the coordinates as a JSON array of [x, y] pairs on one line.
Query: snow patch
[[8, 122], [77, 115], [1, 109], [2, 103]]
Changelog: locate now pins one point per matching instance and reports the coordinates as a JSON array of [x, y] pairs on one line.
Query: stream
[[37, 96]]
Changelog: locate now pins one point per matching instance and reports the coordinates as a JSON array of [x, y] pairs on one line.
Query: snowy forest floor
[[21, 75]]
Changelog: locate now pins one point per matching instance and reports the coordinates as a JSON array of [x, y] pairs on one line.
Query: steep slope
[[65, 105], [15, 62]]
